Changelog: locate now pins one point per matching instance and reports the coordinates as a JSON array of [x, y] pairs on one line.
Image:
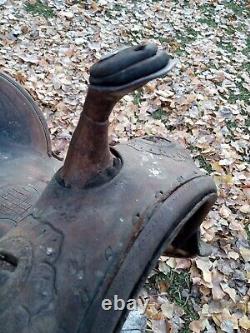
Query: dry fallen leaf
[[230, 291], [245, 253], [197, 326], [159, 326], [245, 322], [204, 264]]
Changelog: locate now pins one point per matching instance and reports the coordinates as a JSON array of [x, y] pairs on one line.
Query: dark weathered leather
[[26, 165], [96, 228]]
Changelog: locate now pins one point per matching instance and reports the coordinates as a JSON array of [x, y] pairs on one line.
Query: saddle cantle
[[26, 165], [75, 233]]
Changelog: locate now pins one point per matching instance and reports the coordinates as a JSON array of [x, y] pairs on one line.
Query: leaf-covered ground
[[49, 46]]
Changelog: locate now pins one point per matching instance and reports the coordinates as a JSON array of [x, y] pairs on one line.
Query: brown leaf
[[159, 326], [197, 326]]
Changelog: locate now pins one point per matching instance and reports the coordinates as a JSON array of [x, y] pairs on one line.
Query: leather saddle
[[75, 233]]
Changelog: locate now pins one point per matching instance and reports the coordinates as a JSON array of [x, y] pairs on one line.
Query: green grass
[[247, 125], [204, 164], [229, 31], [177, 281], [180, 52], [231, 126], [227, 46], [118, 7], [162, 39], [115, 10], [160, 114], [247, 228], [134, 36], [137, 97], [246, 50], [186, 37], [244, 94], [38, 8], [208, 12], [242, 27], [246, 66], [209, 21], [207, 9], [237, 9]]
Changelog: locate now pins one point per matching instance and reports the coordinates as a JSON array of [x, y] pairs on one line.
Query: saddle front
[[75, 233]]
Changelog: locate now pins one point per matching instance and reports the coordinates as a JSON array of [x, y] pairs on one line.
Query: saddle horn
[[110, 79]]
